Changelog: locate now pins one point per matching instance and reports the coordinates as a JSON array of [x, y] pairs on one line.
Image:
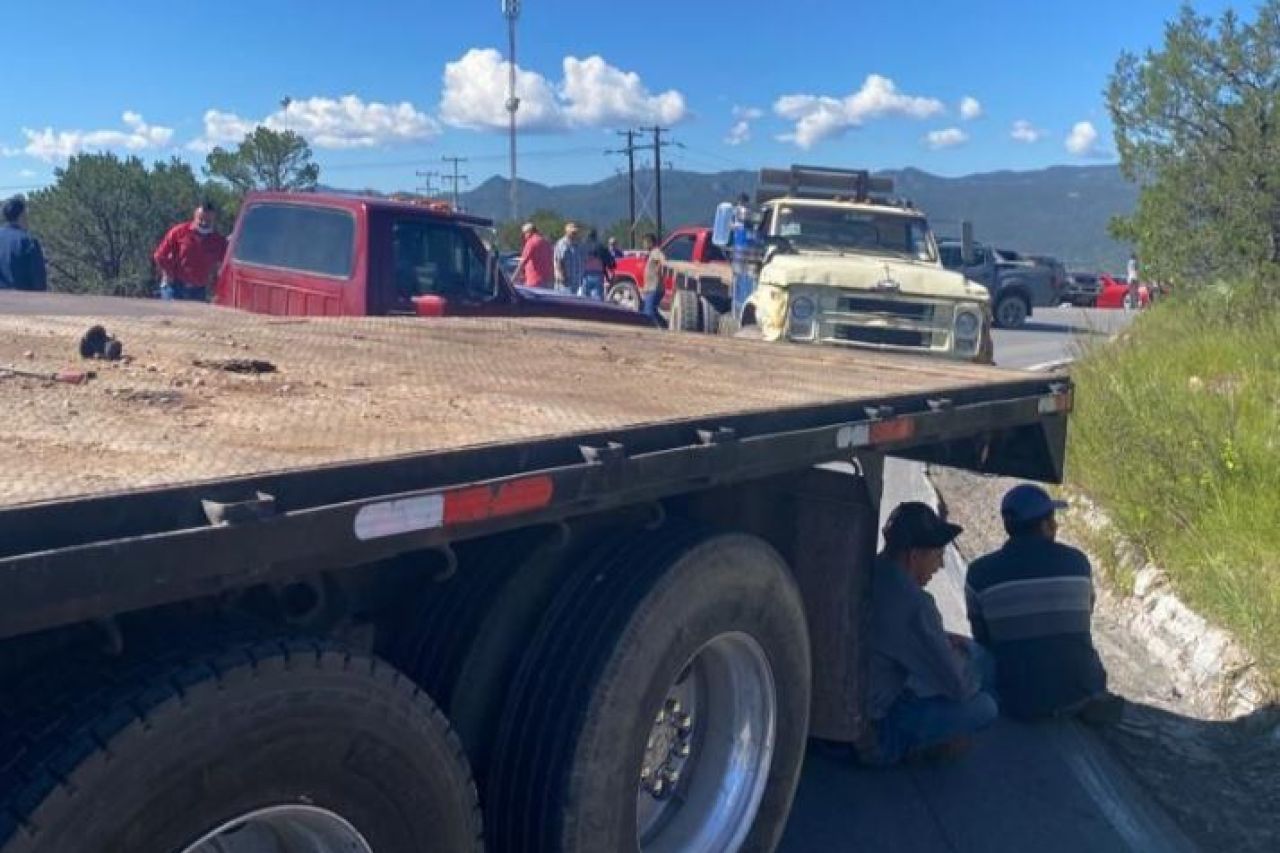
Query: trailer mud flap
[[836, 523]]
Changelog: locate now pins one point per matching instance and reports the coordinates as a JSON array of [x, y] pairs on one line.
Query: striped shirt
[[1031, 604], [569, 263]]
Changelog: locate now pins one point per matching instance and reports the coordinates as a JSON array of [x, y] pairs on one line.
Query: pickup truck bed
[[357, 389]]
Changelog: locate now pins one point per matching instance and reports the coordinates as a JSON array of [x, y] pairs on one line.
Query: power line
[[630, 151], [455, 179], [425, 186]]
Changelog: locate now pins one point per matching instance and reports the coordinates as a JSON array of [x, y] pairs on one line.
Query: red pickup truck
[[687, 245], [309, 254]]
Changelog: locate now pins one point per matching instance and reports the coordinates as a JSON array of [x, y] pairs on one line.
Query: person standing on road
[[569, 261], [1030, 603], [593, 266], [653, 285], [21, 258], [189, 255], [1131, 276], [928, 690], [614, 250], [535, 259]]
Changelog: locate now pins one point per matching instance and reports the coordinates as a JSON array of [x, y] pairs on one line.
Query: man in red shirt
[[535, 259], [189, 255]]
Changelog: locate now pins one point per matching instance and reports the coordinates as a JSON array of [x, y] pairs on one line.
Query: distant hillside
[[1061, 211]]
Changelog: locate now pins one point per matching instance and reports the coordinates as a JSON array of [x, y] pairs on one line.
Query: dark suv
[[1082, 289]]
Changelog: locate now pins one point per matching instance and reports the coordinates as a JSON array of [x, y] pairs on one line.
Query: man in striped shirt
[[569, 261], [1030, 603]]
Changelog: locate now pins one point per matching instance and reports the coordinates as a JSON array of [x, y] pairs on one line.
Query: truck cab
[[317, 254], [845, 265]]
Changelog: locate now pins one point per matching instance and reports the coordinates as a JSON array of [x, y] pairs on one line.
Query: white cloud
[[591, 93], [475, 95], [597, 94], [51, 146], [740, 132], [26, 173], [1025, 131], [346, 122], [1083, 139], [970, 108], [948, 138], [819, 117]]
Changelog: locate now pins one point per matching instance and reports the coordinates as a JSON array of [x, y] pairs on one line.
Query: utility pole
[[511, 11], [425, 186], [630, 151], [455, 179], [658, 144]]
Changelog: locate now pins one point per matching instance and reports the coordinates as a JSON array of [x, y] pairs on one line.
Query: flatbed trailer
[[551, 530]]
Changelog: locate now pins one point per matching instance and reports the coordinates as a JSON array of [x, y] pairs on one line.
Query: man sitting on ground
[[928, 690], [1030, 603]]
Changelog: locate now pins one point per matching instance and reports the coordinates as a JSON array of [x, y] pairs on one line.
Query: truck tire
[[711, 316], [624, 292], [237, 744], [684, 312], [1012, 311], [627, 725]]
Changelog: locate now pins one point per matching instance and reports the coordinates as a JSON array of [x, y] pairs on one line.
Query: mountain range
[[1061, 211]]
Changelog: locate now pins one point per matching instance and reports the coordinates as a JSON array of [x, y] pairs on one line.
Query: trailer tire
[[684, 311], [711, 316], [680, 612], [158, 754]]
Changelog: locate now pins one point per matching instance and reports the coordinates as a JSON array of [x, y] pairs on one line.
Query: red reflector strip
[[478, 503], [895, 429]]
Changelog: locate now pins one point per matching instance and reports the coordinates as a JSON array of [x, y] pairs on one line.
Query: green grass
[[1176, 433]]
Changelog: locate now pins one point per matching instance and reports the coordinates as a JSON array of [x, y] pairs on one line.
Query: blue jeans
[[915, 723], [183, 293], [651, 302], [592, 285]]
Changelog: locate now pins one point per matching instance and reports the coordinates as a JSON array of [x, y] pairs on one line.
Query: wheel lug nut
[[682, 750], [673, 705]]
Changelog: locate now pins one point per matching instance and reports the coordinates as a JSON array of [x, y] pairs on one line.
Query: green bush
[[1177, 433]]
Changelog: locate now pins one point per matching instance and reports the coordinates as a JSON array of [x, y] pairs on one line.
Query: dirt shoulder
[[1220, 780]]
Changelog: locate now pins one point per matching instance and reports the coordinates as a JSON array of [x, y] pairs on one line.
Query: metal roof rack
[[822, 182]]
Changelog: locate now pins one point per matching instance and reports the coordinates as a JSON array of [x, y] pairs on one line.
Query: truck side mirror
[[967, 255]]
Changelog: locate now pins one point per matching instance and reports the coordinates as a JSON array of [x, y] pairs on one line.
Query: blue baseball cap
[[1028, 502]]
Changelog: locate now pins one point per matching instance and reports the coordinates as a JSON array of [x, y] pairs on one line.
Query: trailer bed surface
[[352, 389]]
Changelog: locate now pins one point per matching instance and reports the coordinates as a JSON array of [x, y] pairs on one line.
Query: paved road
[[1055, 334]]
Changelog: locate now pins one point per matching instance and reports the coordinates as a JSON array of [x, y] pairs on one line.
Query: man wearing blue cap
[[1031, 603]]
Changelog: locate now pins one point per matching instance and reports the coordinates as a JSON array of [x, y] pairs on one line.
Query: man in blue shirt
[[21, 259], [927, 689], [1030, 603]]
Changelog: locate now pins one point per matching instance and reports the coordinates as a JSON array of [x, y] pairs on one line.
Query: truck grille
[[882, 336], [886, 307]]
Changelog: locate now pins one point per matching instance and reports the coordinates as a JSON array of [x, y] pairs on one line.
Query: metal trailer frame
[[67, 561]]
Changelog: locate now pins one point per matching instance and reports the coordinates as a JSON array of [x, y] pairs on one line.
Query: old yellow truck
[[835, 260]]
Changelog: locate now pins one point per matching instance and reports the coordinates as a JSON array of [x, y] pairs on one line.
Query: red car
[[688, 245], [1115, 293], [309, 254]]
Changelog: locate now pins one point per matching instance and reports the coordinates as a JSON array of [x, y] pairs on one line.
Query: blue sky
[[384, 89]]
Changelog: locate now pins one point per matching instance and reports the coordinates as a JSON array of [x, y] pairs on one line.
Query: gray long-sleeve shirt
[[908, 643]]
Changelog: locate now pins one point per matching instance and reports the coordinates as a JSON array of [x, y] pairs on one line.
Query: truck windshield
[[439, 259], [835, 229]]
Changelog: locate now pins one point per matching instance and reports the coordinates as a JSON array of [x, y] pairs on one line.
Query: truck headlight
[[801, 323], [968, 328], [802, 308]]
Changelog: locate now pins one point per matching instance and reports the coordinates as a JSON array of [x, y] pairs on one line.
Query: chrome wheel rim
[[707, 757], [625, 296], [283, 829]]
